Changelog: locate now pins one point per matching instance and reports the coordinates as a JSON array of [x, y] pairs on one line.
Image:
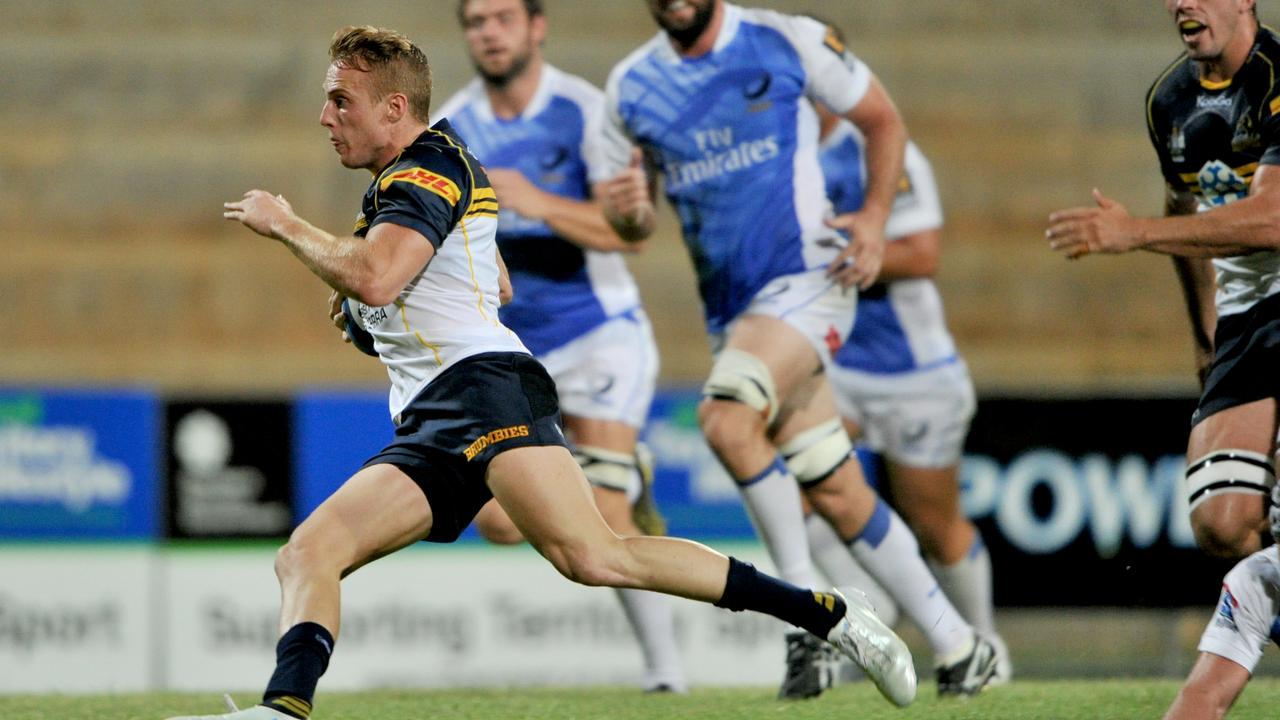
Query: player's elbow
[[376, 290]]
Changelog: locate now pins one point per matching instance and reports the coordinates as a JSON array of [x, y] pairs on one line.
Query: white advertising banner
[[76, 618], [446, 616]]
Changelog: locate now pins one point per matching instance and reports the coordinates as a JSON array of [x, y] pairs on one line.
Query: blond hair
[[392, 60]]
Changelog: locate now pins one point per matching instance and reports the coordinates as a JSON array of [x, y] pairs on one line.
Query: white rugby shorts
[[915, 418], [608, 373]]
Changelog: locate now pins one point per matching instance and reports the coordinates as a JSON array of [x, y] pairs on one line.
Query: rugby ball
[[359, 336]]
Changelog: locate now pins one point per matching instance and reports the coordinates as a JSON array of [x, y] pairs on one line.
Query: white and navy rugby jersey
[[1246, 619], [450, 311], [561, 290], [900, 326], [735, 138], [1211, 137]]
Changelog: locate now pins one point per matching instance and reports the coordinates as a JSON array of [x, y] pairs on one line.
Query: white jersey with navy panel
[[561, 290], [900, 326], [735, 138], [449, 311], [1247, 618]]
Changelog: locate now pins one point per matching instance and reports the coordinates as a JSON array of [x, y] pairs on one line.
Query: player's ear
[[538, 29], [397, 107]]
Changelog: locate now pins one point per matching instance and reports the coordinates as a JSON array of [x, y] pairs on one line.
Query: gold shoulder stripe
[[361, 224], [483, 194], [427, 180], [833, 42]]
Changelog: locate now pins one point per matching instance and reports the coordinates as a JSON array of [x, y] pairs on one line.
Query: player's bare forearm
[[886, 142], [583, 223], [1196, 278], [627, 200], [912, 256], [1248, 225], [339, 261], [1212, 687]]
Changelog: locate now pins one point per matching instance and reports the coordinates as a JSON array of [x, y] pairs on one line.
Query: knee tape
[[741, 376], [817, 452], [1273, 514], [1229, 471], [608, 469]]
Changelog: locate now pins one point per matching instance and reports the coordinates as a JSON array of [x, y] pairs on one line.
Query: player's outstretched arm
[[373, 269], [1196, 278], [627, 199], [877, 118], [1249, 225], [1212, 687], [581, 222], [912, 256]]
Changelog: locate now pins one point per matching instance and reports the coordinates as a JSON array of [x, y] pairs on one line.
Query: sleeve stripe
[[427, 180]]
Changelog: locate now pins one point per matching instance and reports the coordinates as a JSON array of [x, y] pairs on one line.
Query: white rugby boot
[[875, 648], [257, 712]]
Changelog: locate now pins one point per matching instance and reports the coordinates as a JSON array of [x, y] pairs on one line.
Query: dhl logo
[[495, 436], [427, 180]]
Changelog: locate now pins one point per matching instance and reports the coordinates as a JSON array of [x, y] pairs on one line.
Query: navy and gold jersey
[[450, 310], [1211, 137]]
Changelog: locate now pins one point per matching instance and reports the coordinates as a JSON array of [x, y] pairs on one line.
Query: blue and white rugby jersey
[[561, 290], [1247, 618], [736, 142], [900, 326]]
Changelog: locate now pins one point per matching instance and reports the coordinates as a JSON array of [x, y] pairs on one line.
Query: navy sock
[[749, 589], [302, 655]]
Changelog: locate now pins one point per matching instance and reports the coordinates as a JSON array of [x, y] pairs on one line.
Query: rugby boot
[[968, 676], [875, 648], [257, 712], [808, 667]]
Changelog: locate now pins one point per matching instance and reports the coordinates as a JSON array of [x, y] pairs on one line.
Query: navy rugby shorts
[[1246, 359], [468, 414]]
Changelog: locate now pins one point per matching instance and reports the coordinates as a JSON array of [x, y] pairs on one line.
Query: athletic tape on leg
[[741, 376], [1229, 471], [608, 469], [817, 452]]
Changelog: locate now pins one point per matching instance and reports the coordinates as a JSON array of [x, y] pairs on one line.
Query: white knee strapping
[[608, 469], [1229, 471], [741, 376], [815, 453], [1274, 513]]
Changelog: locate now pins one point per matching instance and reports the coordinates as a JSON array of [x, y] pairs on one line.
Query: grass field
[[1034, 700]]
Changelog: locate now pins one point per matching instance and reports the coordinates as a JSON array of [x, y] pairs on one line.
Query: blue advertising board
[[79, 464]]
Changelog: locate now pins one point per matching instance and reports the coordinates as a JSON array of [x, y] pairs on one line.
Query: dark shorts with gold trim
[[472, 411], [1246, 363]]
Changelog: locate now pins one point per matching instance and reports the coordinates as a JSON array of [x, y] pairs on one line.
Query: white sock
[[887, 549], [836, 562], [773, 503], [968, 584], [653, 623]]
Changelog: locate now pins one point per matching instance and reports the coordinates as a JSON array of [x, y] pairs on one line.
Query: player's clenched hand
[[858, 262], [335, 314], [1107, 228], [260, 211], [625, 196], [515, 192]]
